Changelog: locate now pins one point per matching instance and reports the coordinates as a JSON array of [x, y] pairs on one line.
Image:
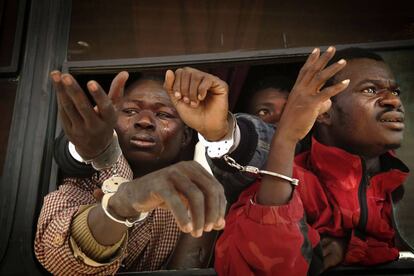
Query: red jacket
[[339, 200]]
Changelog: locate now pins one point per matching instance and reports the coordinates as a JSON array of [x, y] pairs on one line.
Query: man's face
[[368, 117], [150, 130], [268, 104]]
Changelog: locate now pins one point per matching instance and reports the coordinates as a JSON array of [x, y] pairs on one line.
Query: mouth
[[393, 120], [143, 141]]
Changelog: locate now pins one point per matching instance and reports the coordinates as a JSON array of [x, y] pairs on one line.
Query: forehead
[[269, 94], [147, 91], [363, 69]]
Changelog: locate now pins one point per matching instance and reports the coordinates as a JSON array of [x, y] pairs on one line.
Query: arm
[[54, 242], [273, 213]]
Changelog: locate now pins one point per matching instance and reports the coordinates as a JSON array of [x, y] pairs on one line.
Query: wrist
[[218, 134], [120, 206]]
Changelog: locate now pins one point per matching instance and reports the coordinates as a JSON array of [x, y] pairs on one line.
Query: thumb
[[169, 85], [326, 105], [98, 194], [169, 81], [117, 86]]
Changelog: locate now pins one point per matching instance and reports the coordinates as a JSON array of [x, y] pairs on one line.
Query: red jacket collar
[[335, 164]]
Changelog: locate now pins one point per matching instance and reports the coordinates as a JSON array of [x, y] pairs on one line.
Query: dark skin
[[148, 128], [268, 104], [373, 94], [306, 102]]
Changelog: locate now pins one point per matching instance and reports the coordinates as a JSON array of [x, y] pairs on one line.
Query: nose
[[145, 120], [390, 99]]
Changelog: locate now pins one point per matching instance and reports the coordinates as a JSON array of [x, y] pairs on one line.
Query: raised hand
[[306, 100], [88, 128], [195, 198], [201, 99]]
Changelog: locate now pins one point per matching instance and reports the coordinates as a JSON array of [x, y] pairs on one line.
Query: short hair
[[350, 54], [137, 79], [280, 82]]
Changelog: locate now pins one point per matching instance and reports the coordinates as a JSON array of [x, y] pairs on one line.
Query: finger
[[67, 111], [333, 90], [322, 77], [309, 62], [185, 85], [116, 91], [79, 99], [318, 65], [195, 199], [105, 107], [169, 83], [220, 223], [194, 84], [177, 84], [178, 209], [213, 193], [98, 194], [203, 88], [325, 58]]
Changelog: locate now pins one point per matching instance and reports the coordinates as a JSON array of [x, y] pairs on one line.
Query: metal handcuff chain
[[256, 171]]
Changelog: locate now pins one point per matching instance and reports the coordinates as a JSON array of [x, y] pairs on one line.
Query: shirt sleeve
[[66, 162], [53, 236], [252, 149], [265, 240]]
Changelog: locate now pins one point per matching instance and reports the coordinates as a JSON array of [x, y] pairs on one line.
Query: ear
[[187, 136], [325, 118]]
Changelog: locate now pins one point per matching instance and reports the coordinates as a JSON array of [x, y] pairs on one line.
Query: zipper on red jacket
[[363, 205]]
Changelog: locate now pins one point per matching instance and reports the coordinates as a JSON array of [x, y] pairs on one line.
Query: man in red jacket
[[345, 180]]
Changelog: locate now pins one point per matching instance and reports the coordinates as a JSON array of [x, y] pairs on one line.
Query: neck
[[373, 165]]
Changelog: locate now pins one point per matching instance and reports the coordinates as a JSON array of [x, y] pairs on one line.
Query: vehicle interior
[[237, 40]]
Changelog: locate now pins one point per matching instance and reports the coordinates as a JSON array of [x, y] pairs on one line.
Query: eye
[[165, 115], [129, 111], [396, 92], [262, 112], [370, 90]]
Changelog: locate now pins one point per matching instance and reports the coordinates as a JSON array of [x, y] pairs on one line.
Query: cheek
[[171, 133]]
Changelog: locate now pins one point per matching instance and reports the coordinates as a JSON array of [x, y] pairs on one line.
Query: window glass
[[104, 29]]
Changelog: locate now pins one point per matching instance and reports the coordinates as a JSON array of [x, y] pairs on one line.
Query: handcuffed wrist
[[108, 157], [217, 149]]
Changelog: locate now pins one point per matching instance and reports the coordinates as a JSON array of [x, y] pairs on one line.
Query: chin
[[392, 146]]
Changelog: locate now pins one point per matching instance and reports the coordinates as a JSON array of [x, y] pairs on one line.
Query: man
[[345, 180], [138, 222], [268, 97]]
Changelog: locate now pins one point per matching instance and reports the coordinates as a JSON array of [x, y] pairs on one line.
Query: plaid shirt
[[149, 244]]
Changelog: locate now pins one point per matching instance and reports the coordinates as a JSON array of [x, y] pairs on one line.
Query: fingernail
[[330, 49], [198, 233], [186, 100], [92, 86], [188, 227], [67, 80], [314, 50], [200, 97], [208, 227], [345, 81], [193, 104], [55, 77], [177, 94], [342, 61]]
